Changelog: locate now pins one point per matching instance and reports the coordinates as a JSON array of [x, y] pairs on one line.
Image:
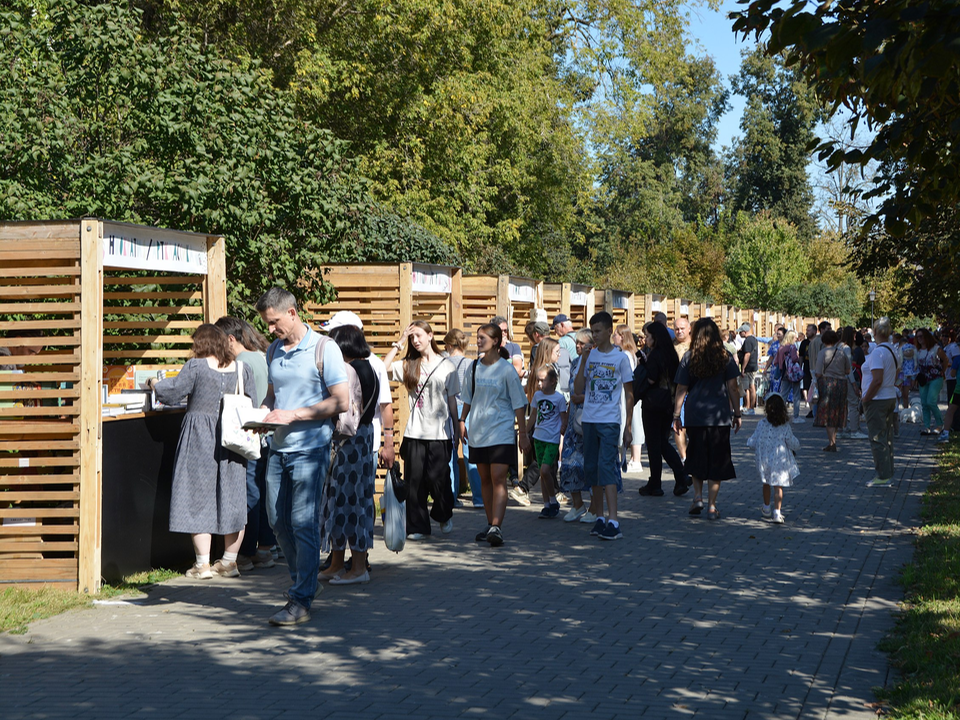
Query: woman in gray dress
[[209, 494]]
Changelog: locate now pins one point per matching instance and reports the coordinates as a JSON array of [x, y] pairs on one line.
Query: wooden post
[[406, 317], [456, 299], [215, 281], [91, 374], [566, 290]]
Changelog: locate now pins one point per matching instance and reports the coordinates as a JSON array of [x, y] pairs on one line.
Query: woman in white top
[[623, 339], [493, 389], [431, 430]]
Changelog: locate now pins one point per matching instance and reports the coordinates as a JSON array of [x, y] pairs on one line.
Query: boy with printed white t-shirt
[[603, 372], [546, 425]]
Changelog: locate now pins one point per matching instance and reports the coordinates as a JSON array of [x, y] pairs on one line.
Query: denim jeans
[[258, 530], [294, 490], [929, 397], [473, 477], [601, 454]]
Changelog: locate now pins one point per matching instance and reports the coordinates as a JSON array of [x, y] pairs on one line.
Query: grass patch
[[925, 646], [21, 606]]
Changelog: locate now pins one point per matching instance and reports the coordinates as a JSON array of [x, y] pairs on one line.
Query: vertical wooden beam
[[215, 281], [503, 298], [405, 284], [566, 292], [456, 299], [91, 377]]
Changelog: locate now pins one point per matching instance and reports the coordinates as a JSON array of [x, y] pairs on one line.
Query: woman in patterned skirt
[[831, 370], [572, 479], [209, 494], [346, 516]]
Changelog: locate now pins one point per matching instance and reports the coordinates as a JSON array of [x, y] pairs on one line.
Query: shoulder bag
[[233, 437]]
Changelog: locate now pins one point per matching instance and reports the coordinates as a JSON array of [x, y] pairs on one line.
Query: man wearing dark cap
[[563, 327]]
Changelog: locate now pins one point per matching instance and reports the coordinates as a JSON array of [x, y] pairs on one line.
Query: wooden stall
[[387, 298], [74, 295], [620, 304], [573, 300], [515, 298]]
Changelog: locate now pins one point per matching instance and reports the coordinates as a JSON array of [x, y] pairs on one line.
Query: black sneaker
[[598, 527], [494, 536], [611, 531], [550, 511], [648, 491], [482, 535]]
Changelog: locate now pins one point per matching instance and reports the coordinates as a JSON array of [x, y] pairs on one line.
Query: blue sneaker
[[611, 531], [598, 526], [550, 511]]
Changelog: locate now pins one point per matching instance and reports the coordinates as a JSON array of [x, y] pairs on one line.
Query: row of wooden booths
[[83, 497]]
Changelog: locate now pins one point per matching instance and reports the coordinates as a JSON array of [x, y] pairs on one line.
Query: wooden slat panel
[[141, 354], [48, 341], [41, 495], [14, 446], [14, 546], [30, 394], [62, 530], [59, 479], [152, 325], [163, 310], [165, 295], [41, 377], [40, 325], [46, 308], [25, 412], [109, 280], [33, 292], [19, 256], [45, 270], [37, 427], [35, 462], [26, 230], [28, 361], [141, 339], [38, 571], [39, 512], [38, 247]]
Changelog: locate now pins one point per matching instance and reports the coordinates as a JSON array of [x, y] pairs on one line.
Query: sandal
[[713, 514], [696, 507]]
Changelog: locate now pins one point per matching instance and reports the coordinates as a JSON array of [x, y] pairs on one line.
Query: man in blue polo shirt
[[304, 403]]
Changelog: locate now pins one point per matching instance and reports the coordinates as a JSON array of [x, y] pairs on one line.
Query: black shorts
[[708, 453], [493, 455]]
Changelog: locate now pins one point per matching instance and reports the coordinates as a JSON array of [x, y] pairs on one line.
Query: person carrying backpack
[[790, 371]]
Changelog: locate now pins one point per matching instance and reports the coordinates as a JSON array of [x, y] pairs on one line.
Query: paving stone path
[[682, 617]]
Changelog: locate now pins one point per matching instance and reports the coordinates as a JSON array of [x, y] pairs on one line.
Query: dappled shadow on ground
[[732, 619]]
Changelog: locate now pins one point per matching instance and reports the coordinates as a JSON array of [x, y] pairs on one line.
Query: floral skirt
[[347, 511], [832, 406], [572, 478]]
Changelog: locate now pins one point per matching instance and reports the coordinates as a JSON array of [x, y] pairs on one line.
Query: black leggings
[[657, 416], [426, 465]]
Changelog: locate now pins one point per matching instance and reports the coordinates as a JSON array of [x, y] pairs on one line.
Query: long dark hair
[[243, 332], [663, 349], [495, 333], [413, 358], [708, 356]]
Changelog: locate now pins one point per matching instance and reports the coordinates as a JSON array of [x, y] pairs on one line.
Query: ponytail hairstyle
[[411, 362]]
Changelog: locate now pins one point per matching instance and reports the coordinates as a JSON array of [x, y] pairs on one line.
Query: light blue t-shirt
[[499, 394], [297, 383]]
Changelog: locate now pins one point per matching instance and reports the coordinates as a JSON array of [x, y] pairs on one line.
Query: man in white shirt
[[880, 402]]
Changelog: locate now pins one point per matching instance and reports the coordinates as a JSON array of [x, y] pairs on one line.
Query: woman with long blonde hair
[[548, 352], [431, 431]]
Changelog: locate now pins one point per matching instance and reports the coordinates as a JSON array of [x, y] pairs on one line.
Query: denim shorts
[[601, 453]]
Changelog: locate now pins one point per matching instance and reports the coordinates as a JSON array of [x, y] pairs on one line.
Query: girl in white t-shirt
[[775, 445], [493, 398], [431, 430]]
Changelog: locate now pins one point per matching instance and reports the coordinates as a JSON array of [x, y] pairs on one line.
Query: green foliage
[[765, 260], [767, 167], [891, 67], [20, 606], [97, 120], [926, 643]]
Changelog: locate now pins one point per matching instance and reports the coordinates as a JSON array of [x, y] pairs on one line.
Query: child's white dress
[[774, 449]]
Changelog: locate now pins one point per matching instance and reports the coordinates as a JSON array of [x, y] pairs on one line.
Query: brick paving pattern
[[681, 618]]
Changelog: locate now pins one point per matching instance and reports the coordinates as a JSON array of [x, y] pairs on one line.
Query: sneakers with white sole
[[575, 514], [766, 512], [447, 527], [517, 494], [588, 518], [777, 517]]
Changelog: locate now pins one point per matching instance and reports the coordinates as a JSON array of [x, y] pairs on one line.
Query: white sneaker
[[447, 527], [777, 517], [858, 436], [798, 421], [517, 494], [562, 499], [575, 514], [877, 482], [765, 512], [588, 517], [634, 467]]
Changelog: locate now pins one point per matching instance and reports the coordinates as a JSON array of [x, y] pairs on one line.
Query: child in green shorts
[[547, 424]]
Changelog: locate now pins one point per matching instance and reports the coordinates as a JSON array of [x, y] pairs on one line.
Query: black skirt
[[708, 453]]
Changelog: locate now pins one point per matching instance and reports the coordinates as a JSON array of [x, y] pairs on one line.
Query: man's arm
[[746, 361], [580, 382], [269, 399], [338, 401]]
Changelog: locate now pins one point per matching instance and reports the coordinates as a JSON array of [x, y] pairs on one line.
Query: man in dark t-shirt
[[748, 360]]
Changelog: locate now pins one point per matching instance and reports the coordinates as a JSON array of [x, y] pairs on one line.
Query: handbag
[[233, 437], [394, 513], [577, 420]]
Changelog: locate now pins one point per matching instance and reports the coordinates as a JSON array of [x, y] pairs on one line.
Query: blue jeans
[[258, 530], [601, 453], [473, 477], [294, 491]]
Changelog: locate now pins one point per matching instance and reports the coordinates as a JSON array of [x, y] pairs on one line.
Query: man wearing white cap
[[384, 413]]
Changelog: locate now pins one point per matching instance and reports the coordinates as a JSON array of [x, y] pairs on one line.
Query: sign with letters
[[429, 279], [143, 248]]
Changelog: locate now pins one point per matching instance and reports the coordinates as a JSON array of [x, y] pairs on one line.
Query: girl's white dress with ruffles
[[774, 448]]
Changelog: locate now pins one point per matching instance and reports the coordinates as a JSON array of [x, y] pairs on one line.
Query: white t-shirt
[[429, 419], [499, 394], [881, 359], [385, 397], [549, 422], [605, 375], [952, 350]]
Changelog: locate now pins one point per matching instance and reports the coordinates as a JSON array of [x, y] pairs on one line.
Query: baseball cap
[[561, 318], [542, 328], [745, 328], [344, 318]]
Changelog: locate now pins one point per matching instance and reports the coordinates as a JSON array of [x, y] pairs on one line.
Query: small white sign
[[24, 462], [145, 248], [684, 307], [578, 298], [708, 311], [19, 522], [427, 279], [521, 291], [655, 305], [621, 301], [756, 316]]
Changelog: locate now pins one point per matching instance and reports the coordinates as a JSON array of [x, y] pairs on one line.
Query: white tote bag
[[245, 443], [394, 518]]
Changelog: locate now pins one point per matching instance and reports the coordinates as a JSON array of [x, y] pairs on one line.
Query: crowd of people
[[579, 409]]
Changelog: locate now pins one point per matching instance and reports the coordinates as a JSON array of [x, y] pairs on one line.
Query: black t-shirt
[[750, 345], [368, 386], [804, 346]]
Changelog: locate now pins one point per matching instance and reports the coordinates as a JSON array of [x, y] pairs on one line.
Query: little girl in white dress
[[775, 446]]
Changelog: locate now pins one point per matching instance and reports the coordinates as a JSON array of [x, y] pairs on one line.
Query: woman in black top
[[656, 410], [347, 512]]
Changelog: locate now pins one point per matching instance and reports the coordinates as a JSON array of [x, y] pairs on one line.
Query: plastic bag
[[394, 516]]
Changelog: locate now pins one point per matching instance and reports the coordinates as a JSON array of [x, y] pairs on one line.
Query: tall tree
[[767, 167], [764, 262]]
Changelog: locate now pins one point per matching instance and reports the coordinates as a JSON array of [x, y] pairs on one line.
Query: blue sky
[[713, 31]]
